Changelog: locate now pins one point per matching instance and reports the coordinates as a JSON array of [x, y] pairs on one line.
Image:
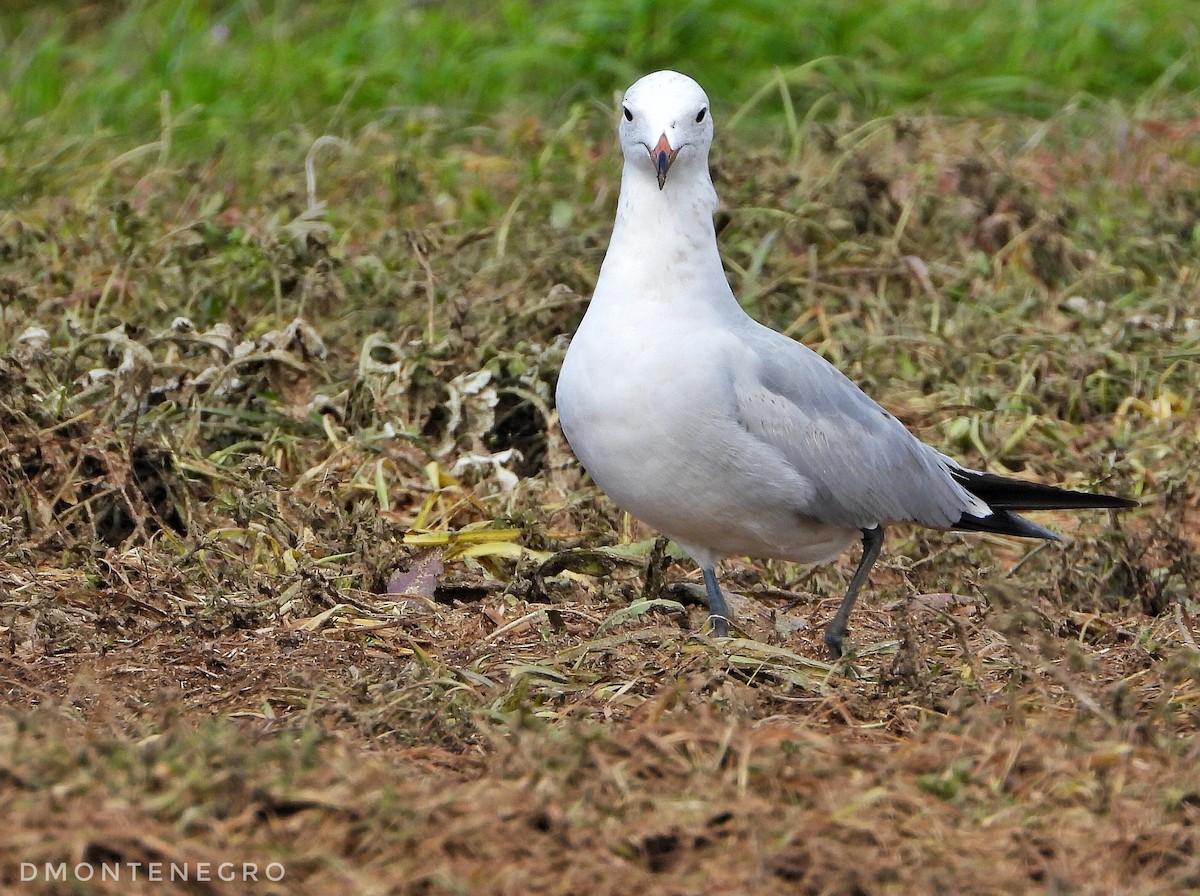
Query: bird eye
[[628, 114], [700, 115]]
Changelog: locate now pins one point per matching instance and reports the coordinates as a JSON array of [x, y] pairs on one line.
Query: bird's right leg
[[718, 609]]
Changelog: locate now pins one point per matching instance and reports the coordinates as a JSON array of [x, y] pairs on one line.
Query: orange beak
[[663, 157]]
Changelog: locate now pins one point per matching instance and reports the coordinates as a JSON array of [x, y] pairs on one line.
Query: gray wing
[[866, 468]]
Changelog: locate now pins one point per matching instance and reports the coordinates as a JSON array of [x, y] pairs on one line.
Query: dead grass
[[296, 566]]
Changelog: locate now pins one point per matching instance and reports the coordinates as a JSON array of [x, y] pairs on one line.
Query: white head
[[666, 120]]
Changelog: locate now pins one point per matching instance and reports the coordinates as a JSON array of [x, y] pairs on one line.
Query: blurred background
[[233, 66]]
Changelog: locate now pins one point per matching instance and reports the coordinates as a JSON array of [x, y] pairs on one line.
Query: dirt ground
[[273, 594]]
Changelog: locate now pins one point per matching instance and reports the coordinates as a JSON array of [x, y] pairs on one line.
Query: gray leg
[[835, 632], [718, 610]]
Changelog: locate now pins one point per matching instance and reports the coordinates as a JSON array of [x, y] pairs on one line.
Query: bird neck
[[663, 241], [683, 207]]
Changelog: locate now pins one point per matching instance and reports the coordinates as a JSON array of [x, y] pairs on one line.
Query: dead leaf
[[420, 580]]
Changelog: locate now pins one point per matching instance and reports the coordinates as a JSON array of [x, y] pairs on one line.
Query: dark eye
[[700, 115], [628, 114]]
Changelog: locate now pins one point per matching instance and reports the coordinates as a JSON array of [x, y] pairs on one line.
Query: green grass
[[236, 72]]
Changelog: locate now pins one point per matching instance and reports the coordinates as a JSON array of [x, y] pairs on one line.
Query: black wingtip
[[1006, 493], [1004, 522]]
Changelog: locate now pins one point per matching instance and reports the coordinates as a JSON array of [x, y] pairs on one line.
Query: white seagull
[[725, 435]]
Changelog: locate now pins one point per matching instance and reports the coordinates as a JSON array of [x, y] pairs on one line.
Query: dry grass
[[273, 590]]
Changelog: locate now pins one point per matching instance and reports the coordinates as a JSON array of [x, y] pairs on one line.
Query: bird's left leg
[[835, 632]]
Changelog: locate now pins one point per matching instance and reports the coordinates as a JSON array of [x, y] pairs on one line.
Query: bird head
[[665, 118]]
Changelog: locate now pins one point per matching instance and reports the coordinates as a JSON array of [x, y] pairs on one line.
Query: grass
[[296, 567], [200, 68]]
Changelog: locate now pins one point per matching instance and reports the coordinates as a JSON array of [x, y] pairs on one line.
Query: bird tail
[[1005, 495]]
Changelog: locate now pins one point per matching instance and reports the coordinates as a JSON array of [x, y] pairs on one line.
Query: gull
[[730, 438]]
